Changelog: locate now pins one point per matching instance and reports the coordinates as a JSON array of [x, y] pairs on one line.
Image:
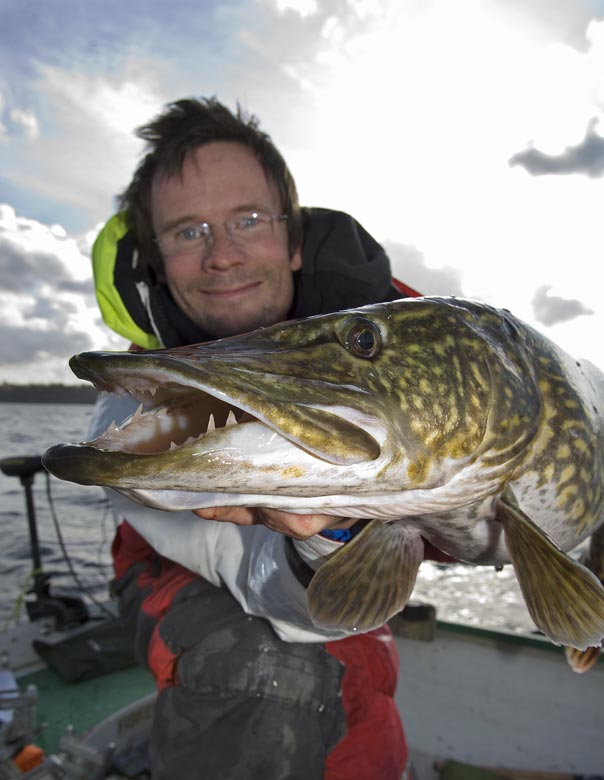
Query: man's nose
[[221, 252]]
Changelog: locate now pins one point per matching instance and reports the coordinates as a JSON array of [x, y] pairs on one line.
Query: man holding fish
[[381, 428], [211, 242]]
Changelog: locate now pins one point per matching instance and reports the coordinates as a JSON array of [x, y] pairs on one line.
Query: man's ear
[[296, 260]]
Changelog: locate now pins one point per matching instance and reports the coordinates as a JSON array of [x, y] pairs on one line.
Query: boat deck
[[83, 704]]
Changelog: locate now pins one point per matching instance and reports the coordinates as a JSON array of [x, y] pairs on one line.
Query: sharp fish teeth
[[211, 424], [231, 419], [110, 430]]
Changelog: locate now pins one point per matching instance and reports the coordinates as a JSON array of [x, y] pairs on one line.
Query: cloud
[[32, 254], [87, 146], [27, 121], [553, 309], [48, 309], [563, 21], [409, 266], [302, 7], [23, 271], [30, 345], [73, 85], [585, 158]]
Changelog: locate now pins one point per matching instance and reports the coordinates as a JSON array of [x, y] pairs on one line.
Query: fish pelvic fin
[[563, 597], [367, 581]]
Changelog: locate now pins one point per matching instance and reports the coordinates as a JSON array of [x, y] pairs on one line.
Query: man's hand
[[296, 526]]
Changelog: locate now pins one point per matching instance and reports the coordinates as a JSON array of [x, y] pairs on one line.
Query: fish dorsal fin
[[564, 598], [368, 580]]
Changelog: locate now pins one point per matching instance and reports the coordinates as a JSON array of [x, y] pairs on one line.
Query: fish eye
[[364, 338]]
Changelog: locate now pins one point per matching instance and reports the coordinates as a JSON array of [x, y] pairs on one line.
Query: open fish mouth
[[173, 415], [182, 421]]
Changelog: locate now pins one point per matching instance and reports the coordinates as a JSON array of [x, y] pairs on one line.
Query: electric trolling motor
[[67, 609]]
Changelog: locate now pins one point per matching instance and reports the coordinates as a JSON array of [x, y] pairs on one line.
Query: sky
[[466, 136]]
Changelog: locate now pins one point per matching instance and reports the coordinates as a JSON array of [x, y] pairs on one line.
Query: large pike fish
[[439, 418]]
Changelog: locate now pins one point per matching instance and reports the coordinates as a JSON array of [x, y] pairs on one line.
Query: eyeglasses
[[198, 237]]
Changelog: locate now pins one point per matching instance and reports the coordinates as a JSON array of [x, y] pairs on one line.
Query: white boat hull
[[498, 700]]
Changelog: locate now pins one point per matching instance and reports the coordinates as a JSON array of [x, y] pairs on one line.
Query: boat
[[477, 704]]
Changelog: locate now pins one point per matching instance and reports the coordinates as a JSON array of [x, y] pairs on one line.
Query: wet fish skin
[[442, 418]]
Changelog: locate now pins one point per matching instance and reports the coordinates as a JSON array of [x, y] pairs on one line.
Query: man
[[211, 242]]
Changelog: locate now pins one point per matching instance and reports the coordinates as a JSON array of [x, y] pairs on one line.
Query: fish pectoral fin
[[563, 597], [368, 580]]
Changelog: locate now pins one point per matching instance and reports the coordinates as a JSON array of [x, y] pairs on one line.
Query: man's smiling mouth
[[230, 291]]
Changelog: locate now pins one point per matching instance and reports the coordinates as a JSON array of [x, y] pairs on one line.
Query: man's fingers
[[298, 526], [240, 515]]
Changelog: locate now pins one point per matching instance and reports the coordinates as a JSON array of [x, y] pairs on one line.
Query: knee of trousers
[[137, 626], [223, 651]]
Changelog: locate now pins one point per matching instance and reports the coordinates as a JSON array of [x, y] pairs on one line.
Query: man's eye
[[248, 222], [190, 233]]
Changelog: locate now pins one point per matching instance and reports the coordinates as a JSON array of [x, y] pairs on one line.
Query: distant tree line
[[47, 394]]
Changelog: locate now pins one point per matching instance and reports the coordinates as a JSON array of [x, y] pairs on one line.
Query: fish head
[[308, 414]]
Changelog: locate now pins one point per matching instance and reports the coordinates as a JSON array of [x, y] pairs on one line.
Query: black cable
[[72, 571]]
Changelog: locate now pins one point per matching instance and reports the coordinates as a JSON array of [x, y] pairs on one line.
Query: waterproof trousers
[[237, 702]]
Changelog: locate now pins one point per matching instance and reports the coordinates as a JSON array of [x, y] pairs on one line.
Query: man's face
[[232, 286]]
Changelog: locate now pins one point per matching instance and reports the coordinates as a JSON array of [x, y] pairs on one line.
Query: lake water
[[475, 595], [83, 513]]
